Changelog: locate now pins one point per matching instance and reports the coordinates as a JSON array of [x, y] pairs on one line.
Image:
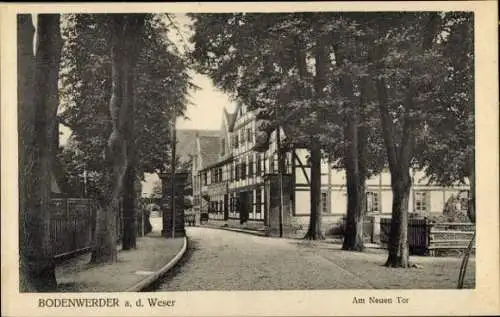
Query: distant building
[[233, 182]]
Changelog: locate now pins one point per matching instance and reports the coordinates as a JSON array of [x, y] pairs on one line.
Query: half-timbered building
[[237, 183]]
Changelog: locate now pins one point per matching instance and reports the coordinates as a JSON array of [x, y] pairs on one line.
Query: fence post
[[428, 226]]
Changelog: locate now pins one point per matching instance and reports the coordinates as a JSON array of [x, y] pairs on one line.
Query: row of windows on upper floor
[[422, 202], [239, 138], [241, 170]]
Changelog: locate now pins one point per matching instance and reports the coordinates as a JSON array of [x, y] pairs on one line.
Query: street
[[225, 260]]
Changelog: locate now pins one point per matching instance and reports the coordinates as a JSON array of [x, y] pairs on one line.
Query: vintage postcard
[[250, 159]]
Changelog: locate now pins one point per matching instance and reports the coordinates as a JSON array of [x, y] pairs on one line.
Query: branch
[[178, 30], [387, 124], [407, 138]]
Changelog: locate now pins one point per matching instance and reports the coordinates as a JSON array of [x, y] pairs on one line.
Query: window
[[250, 165], [205, 178], [372, 202], [222, 146], [220, 174], [243, 167], [250, 200], [258, 201], [215, 175], [324, 202], [258, 166], [271, 164], [421, 202], [221, 206], [237, 171], [242, 136], [249, 135], [235, 144], [231, 167]]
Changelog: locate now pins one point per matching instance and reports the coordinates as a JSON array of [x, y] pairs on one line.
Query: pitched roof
[[186, 141], [209, 149]]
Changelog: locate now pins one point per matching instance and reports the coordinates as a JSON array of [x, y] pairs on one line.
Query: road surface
[[225, 260]]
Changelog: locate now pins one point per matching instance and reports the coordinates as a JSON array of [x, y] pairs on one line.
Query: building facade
[[234, 183]]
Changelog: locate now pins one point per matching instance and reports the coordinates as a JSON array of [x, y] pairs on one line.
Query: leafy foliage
[[162, 87], [447, 146]]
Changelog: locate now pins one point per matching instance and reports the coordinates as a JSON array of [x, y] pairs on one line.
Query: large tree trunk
[[38, 152], [133, 32], [129, 209], [320, 55], [26, 120], [398, 247], [356, 203], [354, 160], [129, 199], [355, 167], [399, 158], [353, 234], [116, 151], [314, 231]]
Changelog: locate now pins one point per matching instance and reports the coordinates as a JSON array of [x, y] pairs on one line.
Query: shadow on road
[[192, 246]]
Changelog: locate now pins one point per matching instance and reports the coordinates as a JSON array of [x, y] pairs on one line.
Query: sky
[[208, 102], [206, 113]]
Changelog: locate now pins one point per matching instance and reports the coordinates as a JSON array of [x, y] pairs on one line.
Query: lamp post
[[172, 194], [280, 170]]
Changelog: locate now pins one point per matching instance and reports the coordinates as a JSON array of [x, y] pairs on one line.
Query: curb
[[262, 234], [158, 274], [252, 232]]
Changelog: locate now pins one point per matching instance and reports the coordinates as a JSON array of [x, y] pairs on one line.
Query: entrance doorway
[[226, 206], [244, 202]]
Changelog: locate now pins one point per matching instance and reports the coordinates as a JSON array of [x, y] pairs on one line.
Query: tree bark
[[116, 151], [26, 120], [398, 247], [129, 210], [400, 156], [355, 181], [354, 161], [133, 43], [399, 166], [129, 199], [314, 231], [38, 152]]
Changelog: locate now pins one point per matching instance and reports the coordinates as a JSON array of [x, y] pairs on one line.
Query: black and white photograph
[[250, 152]]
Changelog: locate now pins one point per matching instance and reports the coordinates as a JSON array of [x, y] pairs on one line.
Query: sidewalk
[[262, 232], [134, 270]]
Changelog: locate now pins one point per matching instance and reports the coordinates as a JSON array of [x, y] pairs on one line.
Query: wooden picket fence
[[429, 238], [72, 225], [418, 234]]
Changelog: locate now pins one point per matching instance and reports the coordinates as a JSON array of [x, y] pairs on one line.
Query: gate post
[[167, 206]]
